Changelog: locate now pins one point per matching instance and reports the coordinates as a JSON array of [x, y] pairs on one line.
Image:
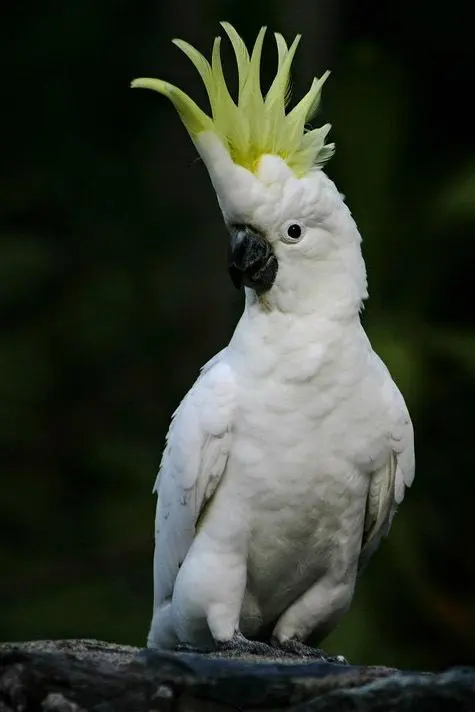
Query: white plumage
[[285, 461]]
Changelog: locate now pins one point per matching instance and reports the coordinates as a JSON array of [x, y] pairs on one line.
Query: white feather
[[193, 462]]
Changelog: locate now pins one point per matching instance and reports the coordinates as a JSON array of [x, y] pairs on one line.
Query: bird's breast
[[302, 495], [307, 427]]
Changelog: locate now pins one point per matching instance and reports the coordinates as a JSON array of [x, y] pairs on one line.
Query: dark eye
[[294, 231]]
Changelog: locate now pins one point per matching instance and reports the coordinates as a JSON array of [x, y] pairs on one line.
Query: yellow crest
[[256, 125]]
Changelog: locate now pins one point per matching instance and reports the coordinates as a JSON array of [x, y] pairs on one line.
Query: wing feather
[[193, 463], [389, 483]]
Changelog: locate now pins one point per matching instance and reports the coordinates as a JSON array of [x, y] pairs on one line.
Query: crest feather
[[253, 126], [241, 53]]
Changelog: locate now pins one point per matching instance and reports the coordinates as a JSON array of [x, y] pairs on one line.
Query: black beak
[[252, 262]]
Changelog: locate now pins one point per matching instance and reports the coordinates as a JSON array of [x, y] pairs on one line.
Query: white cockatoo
[[285, 461]]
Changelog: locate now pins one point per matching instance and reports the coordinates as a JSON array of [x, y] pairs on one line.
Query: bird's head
[[292, 238]]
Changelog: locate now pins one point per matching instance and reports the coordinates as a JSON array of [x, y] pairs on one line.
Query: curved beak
[[252, 262]]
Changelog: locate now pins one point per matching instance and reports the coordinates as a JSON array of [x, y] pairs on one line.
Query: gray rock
[[93, 676]]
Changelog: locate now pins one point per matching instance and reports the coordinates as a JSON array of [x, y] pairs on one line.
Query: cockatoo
[[286, 460]]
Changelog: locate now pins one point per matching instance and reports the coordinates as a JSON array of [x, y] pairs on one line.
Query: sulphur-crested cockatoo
[[285, 461]]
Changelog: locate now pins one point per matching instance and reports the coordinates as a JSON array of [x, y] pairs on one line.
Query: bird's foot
[[240, 646], [295, 647]]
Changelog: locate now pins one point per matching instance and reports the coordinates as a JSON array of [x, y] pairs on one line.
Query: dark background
[[113, 291]]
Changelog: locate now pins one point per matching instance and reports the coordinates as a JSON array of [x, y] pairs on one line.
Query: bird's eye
[[292, 232]]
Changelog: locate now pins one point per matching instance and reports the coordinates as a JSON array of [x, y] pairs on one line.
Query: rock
[[89, 675]]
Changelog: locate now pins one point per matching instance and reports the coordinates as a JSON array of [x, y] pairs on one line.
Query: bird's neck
[[303, 326], [295, 347]]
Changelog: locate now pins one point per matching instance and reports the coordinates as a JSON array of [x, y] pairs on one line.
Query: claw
[[239, 645], [295, 647]]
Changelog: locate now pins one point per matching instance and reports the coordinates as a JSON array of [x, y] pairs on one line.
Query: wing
[[388, 484], [193, 462]]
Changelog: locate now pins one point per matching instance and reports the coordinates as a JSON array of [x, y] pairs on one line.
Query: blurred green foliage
[[113, 291]]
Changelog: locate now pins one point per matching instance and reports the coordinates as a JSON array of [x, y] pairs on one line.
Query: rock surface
[[89, 675]]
